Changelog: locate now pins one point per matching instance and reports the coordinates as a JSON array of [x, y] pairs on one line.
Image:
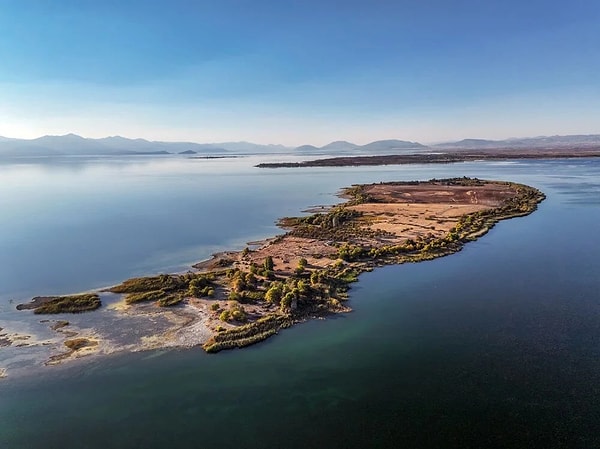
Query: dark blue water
[[496, 346]]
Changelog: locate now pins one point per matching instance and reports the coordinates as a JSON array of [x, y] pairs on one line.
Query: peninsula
[[238, 298]]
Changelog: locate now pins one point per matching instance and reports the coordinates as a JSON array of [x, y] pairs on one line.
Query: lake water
[[496, 346]]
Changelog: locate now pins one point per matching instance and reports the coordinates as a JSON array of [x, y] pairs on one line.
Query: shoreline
[[238, 298], [448, 157]]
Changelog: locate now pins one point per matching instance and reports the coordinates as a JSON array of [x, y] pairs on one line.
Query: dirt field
[[401, 211]]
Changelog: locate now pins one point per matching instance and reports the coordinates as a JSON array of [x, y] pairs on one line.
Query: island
[[238, 298], [445, 157]]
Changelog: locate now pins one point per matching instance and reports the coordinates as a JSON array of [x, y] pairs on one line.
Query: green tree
[[286, 301], [269, 265], [250, 279], [238, 284], [303, 287], [235, 296], [273, 295]]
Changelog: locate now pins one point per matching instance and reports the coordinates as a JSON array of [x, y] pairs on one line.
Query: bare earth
[[404, 211]]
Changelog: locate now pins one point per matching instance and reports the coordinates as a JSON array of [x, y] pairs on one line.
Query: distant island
[[440, 158], [238, 298]]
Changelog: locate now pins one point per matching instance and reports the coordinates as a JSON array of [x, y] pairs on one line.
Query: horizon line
[[437, 142]]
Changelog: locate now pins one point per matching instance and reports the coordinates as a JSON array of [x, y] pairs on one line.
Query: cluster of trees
[[464, 181], [359, 195], [349, 252], [235, 312], [165, 289], [338, 224], [266, 269], [201, 286], [524, 202], [286, 294], [247, 286]]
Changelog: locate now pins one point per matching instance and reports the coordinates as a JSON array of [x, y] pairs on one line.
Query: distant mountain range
[[382, 147], [379, 147], [545, 142], [71, 144]]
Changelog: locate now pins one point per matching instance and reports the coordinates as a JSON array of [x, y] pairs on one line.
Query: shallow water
[[496, 346]]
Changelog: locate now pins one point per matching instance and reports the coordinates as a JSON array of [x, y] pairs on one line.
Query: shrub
[[234, 296], [274, 293]]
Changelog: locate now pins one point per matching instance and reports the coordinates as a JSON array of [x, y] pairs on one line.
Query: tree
[[250, 279], [269, 265], [235, 296], [238, 284], [302, 287], [301, 266], [286, 301], [273, 295]]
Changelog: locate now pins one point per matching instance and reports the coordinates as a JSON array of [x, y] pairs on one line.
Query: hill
[[339, 145], [306, 148], [541, 142], [392, 145], [74, 145]]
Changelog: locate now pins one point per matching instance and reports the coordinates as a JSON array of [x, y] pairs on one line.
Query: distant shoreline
[[439, 158]]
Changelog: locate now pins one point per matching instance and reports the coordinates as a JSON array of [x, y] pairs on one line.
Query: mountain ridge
[[556, 141], [73, 144]]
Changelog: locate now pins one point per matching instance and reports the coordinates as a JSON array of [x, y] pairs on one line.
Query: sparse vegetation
[[263, 297], [69, 304], [79, 343]]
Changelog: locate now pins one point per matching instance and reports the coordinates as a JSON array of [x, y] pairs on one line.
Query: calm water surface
[[496, 346]]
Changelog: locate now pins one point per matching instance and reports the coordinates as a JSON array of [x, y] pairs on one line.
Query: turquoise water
[[496, 346]]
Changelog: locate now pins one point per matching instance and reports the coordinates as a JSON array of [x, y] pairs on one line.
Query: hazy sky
[[297, 72]]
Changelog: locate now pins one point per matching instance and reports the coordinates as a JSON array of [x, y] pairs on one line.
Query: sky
[[299, 72]]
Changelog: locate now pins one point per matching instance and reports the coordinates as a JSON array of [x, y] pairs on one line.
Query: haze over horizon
[[295, 74]]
